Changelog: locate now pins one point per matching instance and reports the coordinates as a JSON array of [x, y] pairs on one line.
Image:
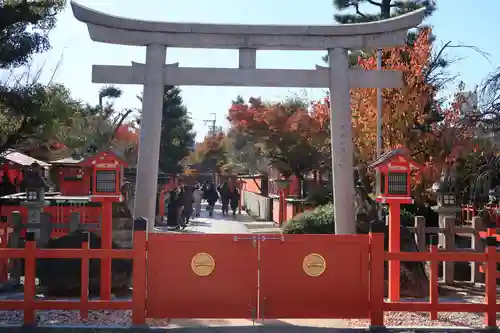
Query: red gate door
[[201, 276], [314, 276]]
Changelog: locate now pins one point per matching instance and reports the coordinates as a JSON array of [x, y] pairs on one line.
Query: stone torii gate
[[337, 77]]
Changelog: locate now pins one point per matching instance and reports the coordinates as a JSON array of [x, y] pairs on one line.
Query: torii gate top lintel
[[120, 30], [154, 74]]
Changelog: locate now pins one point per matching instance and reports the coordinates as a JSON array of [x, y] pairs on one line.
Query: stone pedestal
[[447, 219], [34, 217], [444, 212]]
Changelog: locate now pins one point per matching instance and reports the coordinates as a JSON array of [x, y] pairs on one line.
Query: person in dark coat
[[212, 197], [187, 202], [224, 198], [234, 199], [173, 209]]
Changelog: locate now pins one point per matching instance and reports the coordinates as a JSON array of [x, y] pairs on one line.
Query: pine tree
[[238, 101], [24, 27], [177, 135], [385, 10]]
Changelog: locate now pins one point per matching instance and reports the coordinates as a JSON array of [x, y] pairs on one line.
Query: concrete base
[[271, 326]]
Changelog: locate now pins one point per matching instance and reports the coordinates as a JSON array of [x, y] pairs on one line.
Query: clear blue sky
[[460, 21]]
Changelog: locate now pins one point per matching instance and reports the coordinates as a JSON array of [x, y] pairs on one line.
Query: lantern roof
[[22, 159], [395, 155], [79, 160], [104, 156]]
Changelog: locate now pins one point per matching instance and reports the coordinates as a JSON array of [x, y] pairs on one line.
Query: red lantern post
[[395, 169]]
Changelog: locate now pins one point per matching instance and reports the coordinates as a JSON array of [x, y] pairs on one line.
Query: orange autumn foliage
[[402, 108], [211, 151]]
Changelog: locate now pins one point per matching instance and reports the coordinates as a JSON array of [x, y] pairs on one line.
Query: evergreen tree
[[24, 27], [177, 136], [238, 101], [385, 9]]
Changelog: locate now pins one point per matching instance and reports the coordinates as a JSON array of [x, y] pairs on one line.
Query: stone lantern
[[444, 196], [444, 191], [35, 196]]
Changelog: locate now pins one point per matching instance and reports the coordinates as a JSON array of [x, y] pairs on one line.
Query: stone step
[[260, 224], [274, 230]]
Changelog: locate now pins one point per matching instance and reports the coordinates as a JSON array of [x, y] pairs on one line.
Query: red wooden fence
[[377, 304], [30, 253]]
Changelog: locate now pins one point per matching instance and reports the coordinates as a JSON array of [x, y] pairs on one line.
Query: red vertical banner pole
[[29, 279], [490, 319], [161, 203], [84, 285], [139, 272], [106, 242], [433, 279], [281, 205], [376, 280], [394, 247]]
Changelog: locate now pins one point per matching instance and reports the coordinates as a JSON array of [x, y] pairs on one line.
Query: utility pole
[[212, 122]]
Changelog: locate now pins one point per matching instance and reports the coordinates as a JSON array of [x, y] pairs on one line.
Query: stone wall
[[257, 205]]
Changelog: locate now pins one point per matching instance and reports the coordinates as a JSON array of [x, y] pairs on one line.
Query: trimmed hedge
[[316, 221]]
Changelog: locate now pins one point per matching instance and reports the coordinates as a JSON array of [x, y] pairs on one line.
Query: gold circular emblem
[[203, 264], [314, 264]]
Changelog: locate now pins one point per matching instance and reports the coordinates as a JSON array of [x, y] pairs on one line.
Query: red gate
[[314, 276], [257, 276], [201, 276]]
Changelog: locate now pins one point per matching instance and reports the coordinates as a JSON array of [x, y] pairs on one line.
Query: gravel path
[[57, 317], [123, 318], [420, 319]]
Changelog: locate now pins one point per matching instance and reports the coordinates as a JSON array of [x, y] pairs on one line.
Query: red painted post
[[433, 279], [4, 239], [280, 212], [29, 279], [394, 246], [106, 241], [161, 203], [84, 285], [491, 283], [285, 205], [139, 272], [376, 280]]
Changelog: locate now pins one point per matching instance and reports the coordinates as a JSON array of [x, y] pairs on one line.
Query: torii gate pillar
[[341, 142], [150, 135]]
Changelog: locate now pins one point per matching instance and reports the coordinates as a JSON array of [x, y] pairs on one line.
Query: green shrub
[[316, 221]]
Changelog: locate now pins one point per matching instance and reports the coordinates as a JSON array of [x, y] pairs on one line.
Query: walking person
[[187, 202], [234, 199], [212, 197], [173, 209], [224, 198], [197, 197]]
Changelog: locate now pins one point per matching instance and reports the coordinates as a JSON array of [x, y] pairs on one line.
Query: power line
[[212, 122]]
